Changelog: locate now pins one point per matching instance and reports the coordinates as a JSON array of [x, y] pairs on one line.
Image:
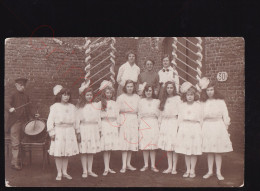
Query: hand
[[37, 115], [11, 110], [78, 137], [156, 92], [52, 137]]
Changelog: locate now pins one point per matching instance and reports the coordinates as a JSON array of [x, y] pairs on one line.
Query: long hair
[[104, 98], [204, 96], [147, 86], [67, 91], [82, 99], [128, 82], [165, 95], [194, 91]]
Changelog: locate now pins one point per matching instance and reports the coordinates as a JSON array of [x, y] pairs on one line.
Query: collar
[[130, 65]]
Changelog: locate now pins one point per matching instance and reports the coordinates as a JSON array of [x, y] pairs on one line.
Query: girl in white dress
[[109, 123], [148, 113], [61, 128], [189, 134], [88, 122], [128, 132], [168, 123], [215, 137]]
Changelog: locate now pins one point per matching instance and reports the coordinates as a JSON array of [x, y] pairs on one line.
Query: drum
[[35, 129]]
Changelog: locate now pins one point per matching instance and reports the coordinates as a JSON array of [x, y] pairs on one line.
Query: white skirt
[[109, 135], [128, 133], [65, 143], [168, 134], [215, 138], [90, 138], [189, 138], [148, 134]]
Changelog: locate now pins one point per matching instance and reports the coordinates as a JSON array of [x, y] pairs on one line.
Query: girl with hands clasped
[[61, 128], [148, 113], [88, 123], [168, 122], [109, 123], [215, 137], [128, 133], [189, 133]]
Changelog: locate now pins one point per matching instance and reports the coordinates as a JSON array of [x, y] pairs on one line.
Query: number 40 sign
[[222, 76]]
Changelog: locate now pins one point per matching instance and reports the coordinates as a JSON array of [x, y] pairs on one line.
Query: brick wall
[[46, 63], [227, 54]]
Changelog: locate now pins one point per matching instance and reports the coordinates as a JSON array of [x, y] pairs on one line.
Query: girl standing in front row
[[109, 125], [189, 133], [169, 107], [61, 128], [215, 137], [88, 122], [128, 133], [148, 113]]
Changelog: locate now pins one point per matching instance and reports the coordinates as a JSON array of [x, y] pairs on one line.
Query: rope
[[186, 73], [190, 41], [187, 48], [187, 56], [98, 47], [99, 55], [186, 64], [99, 71], [100, 62]]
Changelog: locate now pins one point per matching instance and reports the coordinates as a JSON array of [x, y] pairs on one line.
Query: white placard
[[222, 76]]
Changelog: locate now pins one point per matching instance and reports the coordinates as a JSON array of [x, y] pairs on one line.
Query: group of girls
[[138, 120]]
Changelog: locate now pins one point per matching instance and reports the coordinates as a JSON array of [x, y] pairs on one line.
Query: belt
[[89, 122], [171, 116], [128, 112], [213, 119], [109, 118], [190, 121], [64, 124], [150, 117]]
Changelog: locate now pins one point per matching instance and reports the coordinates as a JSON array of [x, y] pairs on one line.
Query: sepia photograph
[[124, 111]]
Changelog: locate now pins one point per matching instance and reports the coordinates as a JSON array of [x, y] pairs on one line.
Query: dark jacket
[[23, 114]]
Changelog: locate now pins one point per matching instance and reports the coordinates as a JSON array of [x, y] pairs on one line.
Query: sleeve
[[78, 112], [120, 74], [157, 108], [225, 114], [138, 82], [10, 104], [50, 121], [157, 84], [180, 114], [200, 110], [177, 81], [99, 116]]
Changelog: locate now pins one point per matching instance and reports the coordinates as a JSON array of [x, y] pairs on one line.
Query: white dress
[[215, 137], [109, 127], [61, 123], [169, 124], [189, 140], [128, 132], [148, 113], [88, 122]]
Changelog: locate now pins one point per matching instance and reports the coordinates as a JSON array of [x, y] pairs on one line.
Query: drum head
[[34, 127]]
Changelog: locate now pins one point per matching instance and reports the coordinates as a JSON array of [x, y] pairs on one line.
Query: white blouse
[[216, 108], [190, 112], [171, 75], [148, 108], [128, 103], [89, 113], [171, 107], [127, 72], [60, 114]]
